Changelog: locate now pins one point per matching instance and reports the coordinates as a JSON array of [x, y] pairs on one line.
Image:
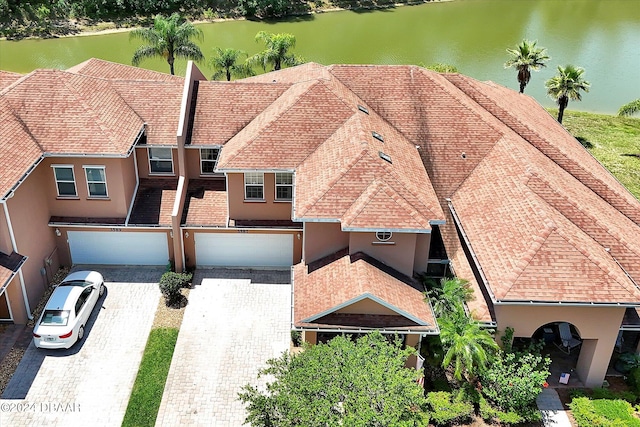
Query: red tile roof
[[154, 202], [206, 203], [336, 281], [7, 78], [113, 71]]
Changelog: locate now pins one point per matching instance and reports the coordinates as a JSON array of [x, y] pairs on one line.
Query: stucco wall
[[29, 212], [322, 239], [598, 328], [120, 185], [422, 252], [265, 210], [398, 253], [5, 237], [14, 292]]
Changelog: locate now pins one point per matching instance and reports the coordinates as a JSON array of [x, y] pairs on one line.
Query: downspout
[[15, 249], [135, 190]]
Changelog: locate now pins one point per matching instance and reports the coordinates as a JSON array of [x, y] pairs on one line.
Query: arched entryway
[[562, 343]]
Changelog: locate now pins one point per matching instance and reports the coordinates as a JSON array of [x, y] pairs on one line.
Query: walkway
[[553, 413], [229, 330]]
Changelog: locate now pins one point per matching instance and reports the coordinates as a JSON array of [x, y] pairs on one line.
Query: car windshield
[[80, 283], [55, 317]]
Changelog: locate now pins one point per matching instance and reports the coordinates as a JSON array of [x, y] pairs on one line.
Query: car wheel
[[80, 333], [102, 288]]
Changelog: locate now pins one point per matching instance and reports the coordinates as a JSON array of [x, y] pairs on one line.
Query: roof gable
[[95, 67]]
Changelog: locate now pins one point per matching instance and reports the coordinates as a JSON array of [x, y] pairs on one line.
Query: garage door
[[123, 248], [244, 250]]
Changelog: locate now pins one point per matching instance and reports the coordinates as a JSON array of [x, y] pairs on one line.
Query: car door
[[83, 307]]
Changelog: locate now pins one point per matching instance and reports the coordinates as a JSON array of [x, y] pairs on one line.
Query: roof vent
[[463, 155], [363, 109], [377, 136], [385, 157]]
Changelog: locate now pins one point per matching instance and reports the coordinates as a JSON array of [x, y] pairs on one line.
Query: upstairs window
[[96, 181], [284, 186], [384, 236], [208, 160], [160, 160], [65, 180], [254, 186]]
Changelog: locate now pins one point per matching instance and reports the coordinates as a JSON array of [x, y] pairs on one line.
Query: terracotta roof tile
[[7, 78], [154, 202], [206, 203], [223, 109], [326, 286], [113, 71]]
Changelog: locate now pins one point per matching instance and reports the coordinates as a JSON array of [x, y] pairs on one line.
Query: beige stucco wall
[[193, 164], [367, 306], [5, 237], [265, 210], [120, 185], [190, 245], [422, 252], [142, 155], [322, 239], [598, 328], [14, 293], [399, 255], [29, 213]]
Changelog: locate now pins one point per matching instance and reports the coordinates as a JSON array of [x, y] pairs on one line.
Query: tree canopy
[[524, 58], [226, 62], [169, 38], [277, 52], [567, 85], [344, 382]]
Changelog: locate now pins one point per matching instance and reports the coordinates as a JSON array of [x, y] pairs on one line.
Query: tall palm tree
[[467, 347], [170, 38], [225, 63], [277, 51], [565, 86], [449, 295], [526, 57], [630, 109]]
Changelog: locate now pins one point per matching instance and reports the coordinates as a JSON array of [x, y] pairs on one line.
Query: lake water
[[602, 36]]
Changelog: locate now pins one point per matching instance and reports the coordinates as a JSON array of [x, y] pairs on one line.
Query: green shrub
[[170, 284], [603, 413], [633, 379], [605, 393], [444, 410]]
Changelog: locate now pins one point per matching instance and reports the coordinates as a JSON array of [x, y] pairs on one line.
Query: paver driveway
[[230, 328], [89, 384]]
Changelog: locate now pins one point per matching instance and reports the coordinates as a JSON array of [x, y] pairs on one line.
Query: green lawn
[[613, 140], [152, 375]]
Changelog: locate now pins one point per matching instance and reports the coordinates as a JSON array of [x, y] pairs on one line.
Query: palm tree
[[277, 51], [170, 38], [449, 295], [225, 63], [566, 86], [630, 109], [467, 347], [526, 57]]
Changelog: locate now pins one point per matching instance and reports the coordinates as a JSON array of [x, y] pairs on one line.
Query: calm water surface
[[602, 36]]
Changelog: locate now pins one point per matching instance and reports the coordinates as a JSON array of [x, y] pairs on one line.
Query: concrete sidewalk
[[553, 414]]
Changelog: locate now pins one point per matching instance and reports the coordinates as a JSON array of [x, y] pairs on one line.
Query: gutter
[[367, 330], [15, 249]]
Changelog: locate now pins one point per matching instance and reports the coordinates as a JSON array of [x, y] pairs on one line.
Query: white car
[[69, 307]]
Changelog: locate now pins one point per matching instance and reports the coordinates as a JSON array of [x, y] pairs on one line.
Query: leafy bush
[[605, 393], [603, 413], [444, 410], [633, 379], [513, 382], [626, 362], [170, 284]]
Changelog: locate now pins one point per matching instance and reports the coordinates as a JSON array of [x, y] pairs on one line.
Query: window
[[96, 181], [208, 160], [160, 160], [383, 236], [55, 317], [284, 186], [254, 186], [65, 180], [82, 299]]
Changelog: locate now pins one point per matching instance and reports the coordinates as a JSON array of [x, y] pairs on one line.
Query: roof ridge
[[272, 119], [88, 109]]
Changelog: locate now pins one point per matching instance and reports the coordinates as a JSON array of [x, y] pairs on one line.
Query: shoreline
[[112, 27]]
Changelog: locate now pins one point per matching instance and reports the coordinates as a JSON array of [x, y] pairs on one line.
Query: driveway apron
[[230, 328], [90, 383]]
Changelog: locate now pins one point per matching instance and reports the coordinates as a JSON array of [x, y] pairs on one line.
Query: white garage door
[[123, 248], [244, 250]]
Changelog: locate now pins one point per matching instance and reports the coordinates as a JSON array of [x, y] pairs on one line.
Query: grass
[[613, 140], [146, 395]]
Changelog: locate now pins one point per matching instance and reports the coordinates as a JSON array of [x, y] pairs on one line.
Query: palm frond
[[630, 109]]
